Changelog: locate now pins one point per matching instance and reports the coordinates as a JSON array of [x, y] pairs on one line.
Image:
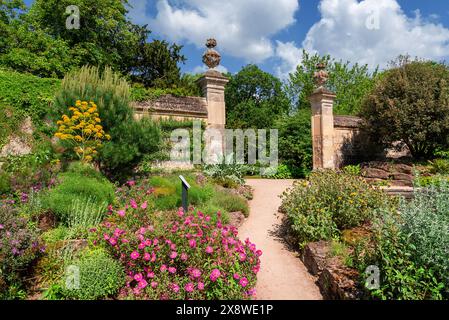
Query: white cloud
[[374, 32], [203, 68], [138, 11], [243, 29], [290, 57]]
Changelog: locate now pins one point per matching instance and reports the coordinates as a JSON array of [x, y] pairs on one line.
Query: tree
[[105, 36], [157, 64], [37, 41], [254, 99], [295, 142], [130, 140], [410, 103], [350, 82]]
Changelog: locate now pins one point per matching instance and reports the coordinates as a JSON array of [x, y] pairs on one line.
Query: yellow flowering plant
[[82, 130]]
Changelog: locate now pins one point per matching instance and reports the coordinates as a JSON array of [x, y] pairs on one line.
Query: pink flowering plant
[[190, 257]]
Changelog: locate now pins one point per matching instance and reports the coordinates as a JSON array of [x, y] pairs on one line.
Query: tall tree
[[254, 99], [351, 82], [156, 64]]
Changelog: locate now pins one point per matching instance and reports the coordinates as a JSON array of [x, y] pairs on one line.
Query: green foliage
[[329, 203], [19, 247], [37, 41], [86, 213], [353, 169], [433, 180], [410, 103], [23, 95], [342, 251], [295, 142], [75, 187], [157, 65], [167, 195], [254, 99], [439, 166], [227, 175], [281, 172], [230, 202], [100, 276], [401, 277], [131, 140], [351, 82], [140, 93], [28, 49], [37, 169]]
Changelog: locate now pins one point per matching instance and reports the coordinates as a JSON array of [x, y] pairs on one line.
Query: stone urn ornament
[[321, 75], [211, 57]]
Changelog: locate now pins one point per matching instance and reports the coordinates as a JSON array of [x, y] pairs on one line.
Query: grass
[[208, 198]]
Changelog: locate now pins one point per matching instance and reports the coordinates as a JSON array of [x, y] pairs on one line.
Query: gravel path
[[282, 275]]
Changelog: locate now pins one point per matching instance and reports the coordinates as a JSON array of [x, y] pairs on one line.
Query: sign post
[[185, 193]]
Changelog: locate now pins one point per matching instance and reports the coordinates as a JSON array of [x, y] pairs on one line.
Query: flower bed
[[191, 257]]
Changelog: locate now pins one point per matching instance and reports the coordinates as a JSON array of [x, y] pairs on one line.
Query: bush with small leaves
[[100, 276]]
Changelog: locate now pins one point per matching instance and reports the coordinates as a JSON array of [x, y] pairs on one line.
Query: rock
[[314, 256], [17, 146], [401, 183], [236, 219], [375, 173], [376, 181], [339, 283], [403, 168], [403, 176], [246, 191], [336, 281]]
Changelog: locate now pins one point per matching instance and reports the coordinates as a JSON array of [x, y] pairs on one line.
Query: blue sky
[[272, 33]]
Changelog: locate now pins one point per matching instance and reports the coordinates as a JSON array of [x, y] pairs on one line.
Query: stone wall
[[211, 108], [346, 140], [339, 140]]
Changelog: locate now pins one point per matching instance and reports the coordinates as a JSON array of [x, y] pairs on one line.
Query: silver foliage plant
[[425, 221]]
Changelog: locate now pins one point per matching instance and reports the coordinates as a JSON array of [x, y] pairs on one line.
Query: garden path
[[282, 276]]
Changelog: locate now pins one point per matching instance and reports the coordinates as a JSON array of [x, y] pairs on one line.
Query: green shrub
[[76, 187], [281, 172], [100, 276], [5, 184], [167, 195], [227, 202], [19, 247], [228, 175], [402, 278], [425, 221], [440, 166], [295, 142], [36, 169], [131, 140], [410, 103], [24, 95], [328, 203], [85, 213], [427, 181], [353, 169]]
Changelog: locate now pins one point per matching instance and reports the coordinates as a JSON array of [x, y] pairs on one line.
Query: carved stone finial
[[211, 57], [321, 75]]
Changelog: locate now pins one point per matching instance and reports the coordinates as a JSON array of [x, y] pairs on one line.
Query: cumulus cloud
[[375, 32], [290, 57], [203, 68], [243, 29]]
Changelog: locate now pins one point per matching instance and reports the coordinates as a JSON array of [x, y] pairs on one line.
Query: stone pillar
[[213, 85], [322, 101]]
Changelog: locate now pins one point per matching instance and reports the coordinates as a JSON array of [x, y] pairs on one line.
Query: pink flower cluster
[[189, 258]]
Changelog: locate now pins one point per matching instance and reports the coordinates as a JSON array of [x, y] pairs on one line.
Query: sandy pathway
[[282, 275]]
